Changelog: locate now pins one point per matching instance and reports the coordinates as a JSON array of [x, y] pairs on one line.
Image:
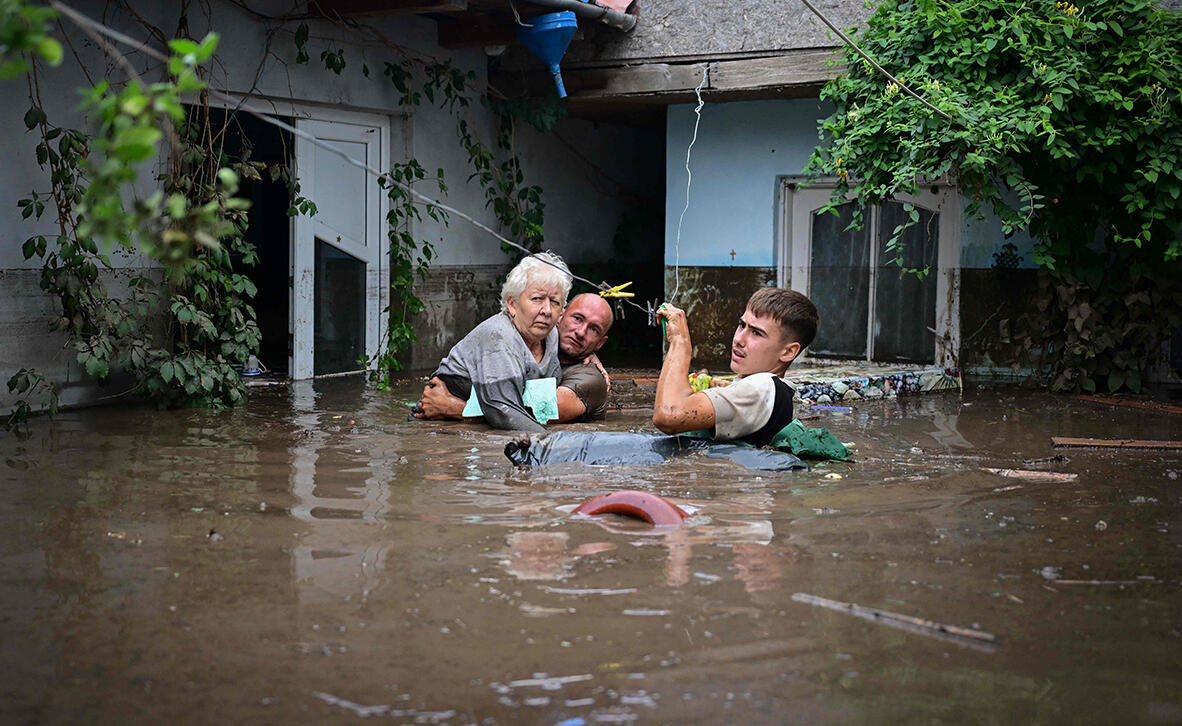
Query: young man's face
[[759, 346]]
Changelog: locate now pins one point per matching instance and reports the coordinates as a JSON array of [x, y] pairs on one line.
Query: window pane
[[339, 335], [839, 283], [905, 305], [340, 189]]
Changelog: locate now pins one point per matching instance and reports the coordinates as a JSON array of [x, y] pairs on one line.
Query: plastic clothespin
[[650, 309], [616, 291]]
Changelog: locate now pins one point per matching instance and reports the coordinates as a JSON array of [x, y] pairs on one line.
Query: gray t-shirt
[[494, 360], [743, 407]]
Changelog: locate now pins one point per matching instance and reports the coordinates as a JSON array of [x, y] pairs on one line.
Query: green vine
[[518, 207], [179, 334], [1066, 121]]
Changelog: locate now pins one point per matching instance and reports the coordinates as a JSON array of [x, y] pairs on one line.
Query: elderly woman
[[516, 345]]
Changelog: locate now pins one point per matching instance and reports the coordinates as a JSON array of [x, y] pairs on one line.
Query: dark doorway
[[339, 311], [270, 227]]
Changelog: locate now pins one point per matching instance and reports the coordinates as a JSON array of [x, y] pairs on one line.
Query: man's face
[[759, 346], [583, 327]]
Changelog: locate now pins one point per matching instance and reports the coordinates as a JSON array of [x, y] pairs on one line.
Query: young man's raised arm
[[678, 409]]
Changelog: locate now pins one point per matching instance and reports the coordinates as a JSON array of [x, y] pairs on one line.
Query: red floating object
[[629, 502]]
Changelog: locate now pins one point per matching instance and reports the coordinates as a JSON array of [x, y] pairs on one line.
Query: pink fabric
[[620, 5]]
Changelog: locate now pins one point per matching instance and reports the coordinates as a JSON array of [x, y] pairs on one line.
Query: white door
[[870, 308], [338, 268]]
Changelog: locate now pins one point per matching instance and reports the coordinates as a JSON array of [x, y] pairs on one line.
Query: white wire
[[689, 180]]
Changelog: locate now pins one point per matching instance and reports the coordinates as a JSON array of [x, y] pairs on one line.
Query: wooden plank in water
[[1071, 442], [1032, 475]]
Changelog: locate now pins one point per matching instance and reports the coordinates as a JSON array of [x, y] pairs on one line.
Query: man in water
[[582, 392], [776, 326]]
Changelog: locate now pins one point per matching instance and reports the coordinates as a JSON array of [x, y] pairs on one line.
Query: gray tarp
[[611, 447]]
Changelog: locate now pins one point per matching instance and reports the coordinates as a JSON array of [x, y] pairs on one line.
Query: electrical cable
[[689, 180]]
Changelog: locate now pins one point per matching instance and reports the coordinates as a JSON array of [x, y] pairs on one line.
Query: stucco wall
[[679, 29], [590, 173], [741, 152]]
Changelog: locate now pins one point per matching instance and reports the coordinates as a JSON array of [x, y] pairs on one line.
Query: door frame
[[300, 227], [343, 126], [794, 250]]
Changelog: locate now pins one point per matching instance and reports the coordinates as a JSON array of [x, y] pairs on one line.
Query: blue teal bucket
[[548, 39]]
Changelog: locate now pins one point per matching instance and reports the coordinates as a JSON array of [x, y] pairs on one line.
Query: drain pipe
[[590, 9]]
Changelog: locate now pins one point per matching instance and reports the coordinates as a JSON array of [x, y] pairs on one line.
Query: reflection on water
[[317, 556]]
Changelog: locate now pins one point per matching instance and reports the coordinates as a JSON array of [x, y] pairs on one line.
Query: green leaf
[[136, 143], [33, 117], [50, 50], [205, 51], [95, 366], [166, 371], [183, 46], [1115, 380], [188, 82]]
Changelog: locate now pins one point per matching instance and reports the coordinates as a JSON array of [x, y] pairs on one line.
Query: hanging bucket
[[548, 38]]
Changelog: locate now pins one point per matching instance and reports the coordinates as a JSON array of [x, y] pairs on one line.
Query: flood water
[[316, 558]]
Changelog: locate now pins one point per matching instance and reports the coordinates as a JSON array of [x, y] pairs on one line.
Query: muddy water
[[314, 557]]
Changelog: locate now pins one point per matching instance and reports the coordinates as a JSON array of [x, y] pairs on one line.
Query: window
[[870, 307]]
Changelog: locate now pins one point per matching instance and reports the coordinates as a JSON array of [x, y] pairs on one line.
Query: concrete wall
[[590, 173], [678, 29]]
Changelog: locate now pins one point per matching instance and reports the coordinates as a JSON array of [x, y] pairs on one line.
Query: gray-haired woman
[[516, 345]]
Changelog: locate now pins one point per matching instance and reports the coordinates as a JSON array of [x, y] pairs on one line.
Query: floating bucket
[[548, 38], [631, 503]]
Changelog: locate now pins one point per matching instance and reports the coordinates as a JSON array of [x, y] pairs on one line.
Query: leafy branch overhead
[[176, 337], [1067, 122]]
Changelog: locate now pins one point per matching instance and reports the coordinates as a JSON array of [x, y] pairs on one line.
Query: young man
[[777, 325], [582, 392]]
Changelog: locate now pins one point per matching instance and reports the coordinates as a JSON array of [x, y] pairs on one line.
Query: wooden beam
[[648, 78], [348, 8], [1069, 442], [798, 68], [669, 83]]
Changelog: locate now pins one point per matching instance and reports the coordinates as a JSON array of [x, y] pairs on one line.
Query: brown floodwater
[[314, 557]]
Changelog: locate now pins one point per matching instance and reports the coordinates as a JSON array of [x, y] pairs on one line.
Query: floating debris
[[588, 590], [1032, 475], [965, 636], [550, 683]]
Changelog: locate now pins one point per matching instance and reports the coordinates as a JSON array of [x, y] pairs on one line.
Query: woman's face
[[535, 312]]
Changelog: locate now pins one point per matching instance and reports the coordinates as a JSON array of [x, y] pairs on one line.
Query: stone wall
[[714, 298]]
